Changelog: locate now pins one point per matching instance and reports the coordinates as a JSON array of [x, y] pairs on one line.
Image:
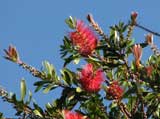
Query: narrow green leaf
[[67, 76], [38, 88], [71, 22], [29, 98], [70, 58], [49, 87], [48, 106], [23, 89], [76, 61], [36, 112], [39, 109], [38, 83]]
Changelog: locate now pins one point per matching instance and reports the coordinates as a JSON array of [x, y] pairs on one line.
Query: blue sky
[[37, 27]]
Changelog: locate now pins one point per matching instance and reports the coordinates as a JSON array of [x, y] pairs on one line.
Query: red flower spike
[[137, 52], [83, 38], [72, 115], [12, 54], [91, 80], [114, 90]]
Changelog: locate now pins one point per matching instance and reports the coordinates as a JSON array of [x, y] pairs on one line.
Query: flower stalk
[[96, 27]]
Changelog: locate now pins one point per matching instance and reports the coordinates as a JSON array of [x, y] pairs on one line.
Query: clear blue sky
[[36, 28]]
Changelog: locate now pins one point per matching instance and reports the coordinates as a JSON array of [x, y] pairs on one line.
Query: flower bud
[[134, 17], [137, 52], [149, 38], [12, 54]]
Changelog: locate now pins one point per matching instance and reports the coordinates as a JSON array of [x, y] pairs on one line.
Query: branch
[[135, 108], [146, 29], [33, 71], [124, 110], [130, 31], [142, 107], [96, 27], [144, 113], [4, 94]]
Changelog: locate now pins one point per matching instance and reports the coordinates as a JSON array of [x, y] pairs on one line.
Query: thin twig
[[33, 71], [134, 109], [144, 113], [146, 29], [124, 110], [5, 97], [130, 30], [96, 27], [28, 111]]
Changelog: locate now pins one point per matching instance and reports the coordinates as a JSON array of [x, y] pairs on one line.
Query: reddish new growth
[[84, 39], [137, 52], [72, 115], [149, 38], [134, 17], [115, 91], [149, 70], [12, 54], [91, 80]]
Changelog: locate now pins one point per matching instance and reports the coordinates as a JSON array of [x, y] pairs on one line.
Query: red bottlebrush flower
[[149, 38], [72, 115], [12, 54], [114, 90], [137, 52], [83, 38], [91, 80]]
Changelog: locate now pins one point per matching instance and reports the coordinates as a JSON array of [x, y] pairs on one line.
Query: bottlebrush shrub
[[108, 86]]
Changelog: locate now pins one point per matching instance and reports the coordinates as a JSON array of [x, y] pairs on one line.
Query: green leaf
[[29, 98], [36, 112], [76, 61], [67, 76], [23, 89], [1, 115], [113, 105], [38, 88], [49, 70], [129, 91], [66, 47], [38, 83], [94, 59], [70, 58], [130, 42], [41, 84], [71, 22], [150, 96], [48, 106], [49, 87], [133, 66]]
